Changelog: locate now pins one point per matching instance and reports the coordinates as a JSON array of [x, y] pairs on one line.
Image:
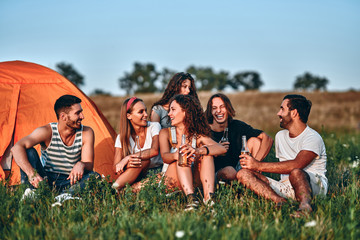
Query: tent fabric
[[28, 92]]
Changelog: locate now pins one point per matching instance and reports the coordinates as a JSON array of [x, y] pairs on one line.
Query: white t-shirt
[[152, 130], [287, 148]]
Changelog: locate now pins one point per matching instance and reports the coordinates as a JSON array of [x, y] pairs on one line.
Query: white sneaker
[[209, 202], [62, 198], [29, 193]]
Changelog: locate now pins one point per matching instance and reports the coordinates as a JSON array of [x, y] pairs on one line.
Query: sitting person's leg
[[300, 181], [171, 178], [62, 184], [35, 162], [259, 184], [185, 177], [130, 175], [207, 176], [253, 145], [226, 174]]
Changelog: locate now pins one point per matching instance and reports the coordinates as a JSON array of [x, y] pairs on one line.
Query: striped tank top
[[58, 157]]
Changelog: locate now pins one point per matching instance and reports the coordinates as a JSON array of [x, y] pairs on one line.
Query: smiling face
[[285, 115], [74, 116], [219, 111], [138, 115], [176, 114], [185, 87]]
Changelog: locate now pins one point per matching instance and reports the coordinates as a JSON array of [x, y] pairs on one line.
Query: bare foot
[[305, 207]]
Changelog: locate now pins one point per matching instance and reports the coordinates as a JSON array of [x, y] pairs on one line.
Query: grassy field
[[151, 214], [238, 214]]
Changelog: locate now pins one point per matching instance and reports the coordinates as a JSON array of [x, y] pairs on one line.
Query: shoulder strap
[[172, 132], [193, 142]]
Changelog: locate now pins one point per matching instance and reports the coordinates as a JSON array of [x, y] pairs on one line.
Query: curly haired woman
[[187, 116]]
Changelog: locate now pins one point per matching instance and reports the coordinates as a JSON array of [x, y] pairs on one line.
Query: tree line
[[146, 78]]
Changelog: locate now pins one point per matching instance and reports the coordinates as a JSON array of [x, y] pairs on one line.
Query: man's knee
[[227, 173], [32, 155], [243, 174], [297, 174], [254, 145]]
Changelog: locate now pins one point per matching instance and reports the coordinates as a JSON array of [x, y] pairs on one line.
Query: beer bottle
[[244, 148], [137, 145], [225, 138], [182, 160]]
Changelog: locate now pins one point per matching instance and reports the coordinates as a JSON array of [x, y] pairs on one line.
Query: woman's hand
[[188, 151], [134, 161], [120, 166], [226, 145]]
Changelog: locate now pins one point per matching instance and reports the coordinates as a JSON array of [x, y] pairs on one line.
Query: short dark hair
[[64, 103], [229, 108], [301, 104]]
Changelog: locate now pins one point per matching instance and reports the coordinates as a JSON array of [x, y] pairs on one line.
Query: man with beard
[[302, 160], [220, 113], [67, 149]]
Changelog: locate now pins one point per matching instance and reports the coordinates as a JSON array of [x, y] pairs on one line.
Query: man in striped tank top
[[67, 149]]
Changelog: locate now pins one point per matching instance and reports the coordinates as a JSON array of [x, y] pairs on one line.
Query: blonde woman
[[136, 144]]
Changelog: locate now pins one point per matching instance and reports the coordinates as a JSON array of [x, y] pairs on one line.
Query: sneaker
[[29, 193], [62, 198], [192, 203]]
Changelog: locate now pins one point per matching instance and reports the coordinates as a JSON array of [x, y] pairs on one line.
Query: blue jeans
[[56, 180]]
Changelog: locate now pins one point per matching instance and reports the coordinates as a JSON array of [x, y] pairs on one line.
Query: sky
[[103, 39]]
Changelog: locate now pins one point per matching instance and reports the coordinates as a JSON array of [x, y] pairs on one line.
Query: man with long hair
[[220, 115]]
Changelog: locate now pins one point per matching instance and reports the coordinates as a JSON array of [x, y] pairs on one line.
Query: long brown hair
[[174, 87], [195, 121], [229, 108], [125, 127]]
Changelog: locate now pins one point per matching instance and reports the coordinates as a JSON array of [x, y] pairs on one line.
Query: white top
[[152, 130], [287, 148]]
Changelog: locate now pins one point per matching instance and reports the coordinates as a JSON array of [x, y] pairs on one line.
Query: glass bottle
[[182, 160], [137, 145], [244, 148], [225, 138]]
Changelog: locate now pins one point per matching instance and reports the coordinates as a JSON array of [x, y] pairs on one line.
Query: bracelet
[[207, 150]]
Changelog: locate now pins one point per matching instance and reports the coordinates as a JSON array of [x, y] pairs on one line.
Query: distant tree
[[307, 81], [250, 80], [207, 79], [141, 80], [69, 72], [98, 91], [165, 76]]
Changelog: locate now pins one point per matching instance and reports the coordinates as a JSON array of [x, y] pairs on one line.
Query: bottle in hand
[[137, 145], [182, 160], [244, 148], [225, 138]]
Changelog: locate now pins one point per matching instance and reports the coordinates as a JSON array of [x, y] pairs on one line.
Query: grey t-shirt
[[163, 114]]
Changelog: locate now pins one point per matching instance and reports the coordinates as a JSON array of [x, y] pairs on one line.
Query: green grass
[[150, 214]]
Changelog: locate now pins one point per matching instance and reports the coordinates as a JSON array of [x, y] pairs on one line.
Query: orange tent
[[28, 93]]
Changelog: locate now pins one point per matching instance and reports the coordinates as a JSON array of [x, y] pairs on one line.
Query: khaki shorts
[[284, 189]]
